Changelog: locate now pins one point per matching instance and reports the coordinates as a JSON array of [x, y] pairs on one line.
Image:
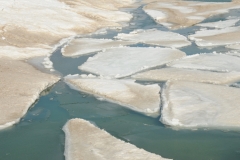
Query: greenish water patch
[[39, 134]]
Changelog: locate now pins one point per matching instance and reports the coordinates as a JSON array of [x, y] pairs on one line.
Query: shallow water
[[39, 134]]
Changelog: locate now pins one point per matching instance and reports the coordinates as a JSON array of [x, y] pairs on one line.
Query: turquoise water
[[39, 134]]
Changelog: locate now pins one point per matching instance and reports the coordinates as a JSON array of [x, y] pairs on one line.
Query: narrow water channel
[[39, 135]]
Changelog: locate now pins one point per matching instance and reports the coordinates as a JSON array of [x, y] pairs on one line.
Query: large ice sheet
[[176, 14], [20, 86], [87, 142], [166, 74], [122, 62], [234, 46], [212, 62], [226, 36], [141, 98], [220, 24], [82, 46], [190, 104], [42, 24], [156, 37]]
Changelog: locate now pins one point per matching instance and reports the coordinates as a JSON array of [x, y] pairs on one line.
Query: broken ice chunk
[[220, 24], [226, 36], [122, 62], [87, 142], [212, 62], [156, 37], [166, 74], [82, 46], [193, 105], [141, 98]]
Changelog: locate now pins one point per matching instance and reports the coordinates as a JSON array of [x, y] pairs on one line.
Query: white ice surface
[[234, 46], [141, 98], [85, 141], [220, 24], [212, 62], [122, 62], [166, 74], [217, 37], [156, 37], [82, 46], [193, 105]]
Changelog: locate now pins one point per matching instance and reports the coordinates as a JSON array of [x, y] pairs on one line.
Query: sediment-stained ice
[[176, 14], [87, 142], [215, 37], [125, 61], [212, 62], [166, 74], [141, 98], [20, 86], [156, 37], [42, 24], [220, 24], [82, 46], [193, 105]]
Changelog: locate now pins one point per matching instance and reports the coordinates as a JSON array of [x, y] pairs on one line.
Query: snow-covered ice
[[156, 37], [82, 46], [220, 24], [20, 86], [194, 105], [166, 74], [141, 98], [176, 14], [216, 37], [125, 61], [212, 62], [87, 142], [234, 46]]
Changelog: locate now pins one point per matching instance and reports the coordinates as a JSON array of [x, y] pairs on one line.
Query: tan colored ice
[[84, 141], [194, 105], [216, 37], [82, 46], [33, 28], [176, 14], [166, 74], [141, 98], [20, 86], [156, 37]]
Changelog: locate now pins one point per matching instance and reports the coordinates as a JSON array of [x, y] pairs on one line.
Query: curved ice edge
[[30, 105], [68, 138], [176, 125], [151, 113]]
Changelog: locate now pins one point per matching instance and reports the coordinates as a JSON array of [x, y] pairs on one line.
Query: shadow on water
[[39, 134]]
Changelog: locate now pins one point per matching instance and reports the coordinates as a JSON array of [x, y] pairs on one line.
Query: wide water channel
[[39, 135]]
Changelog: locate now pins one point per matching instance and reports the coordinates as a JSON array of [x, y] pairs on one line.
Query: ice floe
[[82, 46], [234, 46], [125, 61], [156, 37], [220, 24], [141, 98], [20, 86], [212, 62], [41, 25], [215, 37], [166, 74], [88, 142], [176, 14], [193, 105]]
